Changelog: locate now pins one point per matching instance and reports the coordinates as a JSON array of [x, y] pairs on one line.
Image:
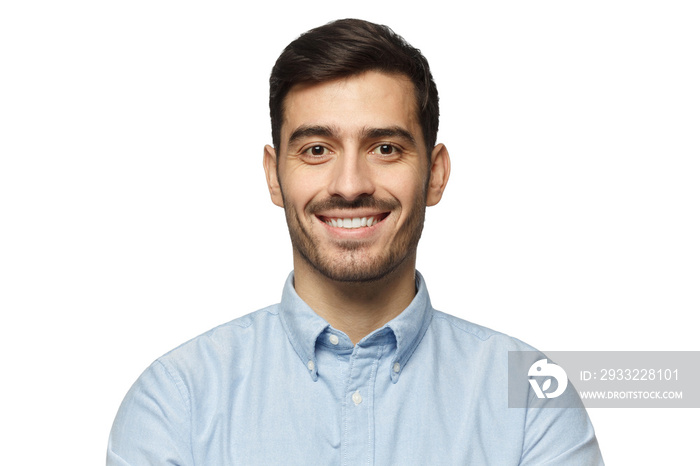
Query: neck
[[356, 308]]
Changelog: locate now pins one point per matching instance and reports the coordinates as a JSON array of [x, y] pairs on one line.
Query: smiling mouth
[[353, 222]]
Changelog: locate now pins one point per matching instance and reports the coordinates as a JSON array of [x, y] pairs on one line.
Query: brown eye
[[316, 151], [386, 149]]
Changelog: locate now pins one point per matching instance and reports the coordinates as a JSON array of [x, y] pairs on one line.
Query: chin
[[352, 270]]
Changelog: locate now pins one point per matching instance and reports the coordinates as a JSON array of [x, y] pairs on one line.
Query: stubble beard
[[353, 262]]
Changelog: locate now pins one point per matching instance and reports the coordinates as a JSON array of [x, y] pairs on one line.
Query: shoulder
[[224, 343], [188, 380], [463, 332]]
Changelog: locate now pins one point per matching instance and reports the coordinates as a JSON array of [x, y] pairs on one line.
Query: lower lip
[[352, 233]]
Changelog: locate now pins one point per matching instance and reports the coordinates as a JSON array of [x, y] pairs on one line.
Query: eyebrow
[[390, 132], [308, 131]]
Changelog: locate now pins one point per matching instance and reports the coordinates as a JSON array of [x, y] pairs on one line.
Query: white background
[[134, 212]]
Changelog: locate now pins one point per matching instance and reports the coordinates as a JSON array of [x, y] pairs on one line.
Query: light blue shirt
[[281, 386]]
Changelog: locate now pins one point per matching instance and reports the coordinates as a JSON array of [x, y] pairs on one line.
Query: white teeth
[[351, 223]]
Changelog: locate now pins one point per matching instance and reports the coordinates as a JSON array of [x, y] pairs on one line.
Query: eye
[[386, 150], [316, 151]]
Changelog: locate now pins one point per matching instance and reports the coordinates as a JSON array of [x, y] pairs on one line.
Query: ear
[[439, 174], [273, 184]]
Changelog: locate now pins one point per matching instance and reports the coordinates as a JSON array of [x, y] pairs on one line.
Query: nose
[[351, 177]]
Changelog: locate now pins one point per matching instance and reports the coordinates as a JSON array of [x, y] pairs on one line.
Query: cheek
[[408, 190], [299, 191]]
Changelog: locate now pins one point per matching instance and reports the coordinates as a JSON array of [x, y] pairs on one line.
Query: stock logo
[[542, 369]]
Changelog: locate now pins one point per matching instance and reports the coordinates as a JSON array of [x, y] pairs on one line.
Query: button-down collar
[[303, 327]]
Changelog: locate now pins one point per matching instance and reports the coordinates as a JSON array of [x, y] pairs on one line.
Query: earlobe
[[270, 165], [439, 174]]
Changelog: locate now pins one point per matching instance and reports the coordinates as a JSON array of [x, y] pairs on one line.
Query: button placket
[[358, 418]]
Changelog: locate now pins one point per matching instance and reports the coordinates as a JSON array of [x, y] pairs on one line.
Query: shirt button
[[310, 365], [333, 339], [356, 397], [397, 367]]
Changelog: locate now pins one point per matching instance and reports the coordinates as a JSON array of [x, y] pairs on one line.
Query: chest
[[435, 412]]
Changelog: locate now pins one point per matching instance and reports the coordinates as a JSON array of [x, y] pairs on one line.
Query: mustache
[[338, 202]]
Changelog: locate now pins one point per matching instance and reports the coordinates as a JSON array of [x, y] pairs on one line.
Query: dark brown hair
[[349, 47]]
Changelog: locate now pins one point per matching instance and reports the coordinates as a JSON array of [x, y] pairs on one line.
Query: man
[[354, 366]]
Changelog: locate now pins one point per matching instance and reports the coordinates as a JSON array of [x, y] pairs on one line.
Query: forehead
[[370, 99]]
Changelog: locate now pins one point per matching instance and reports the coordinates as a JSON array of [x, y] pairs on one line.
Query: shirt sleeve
[[153, 422], [555, 436]]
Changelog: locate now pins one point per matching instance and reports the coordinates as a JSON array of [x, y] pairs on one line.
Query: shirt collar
[[303, 327]]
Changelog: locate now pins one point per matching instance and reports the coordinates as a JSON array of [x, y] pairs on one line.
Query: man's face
[[352, 174]]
